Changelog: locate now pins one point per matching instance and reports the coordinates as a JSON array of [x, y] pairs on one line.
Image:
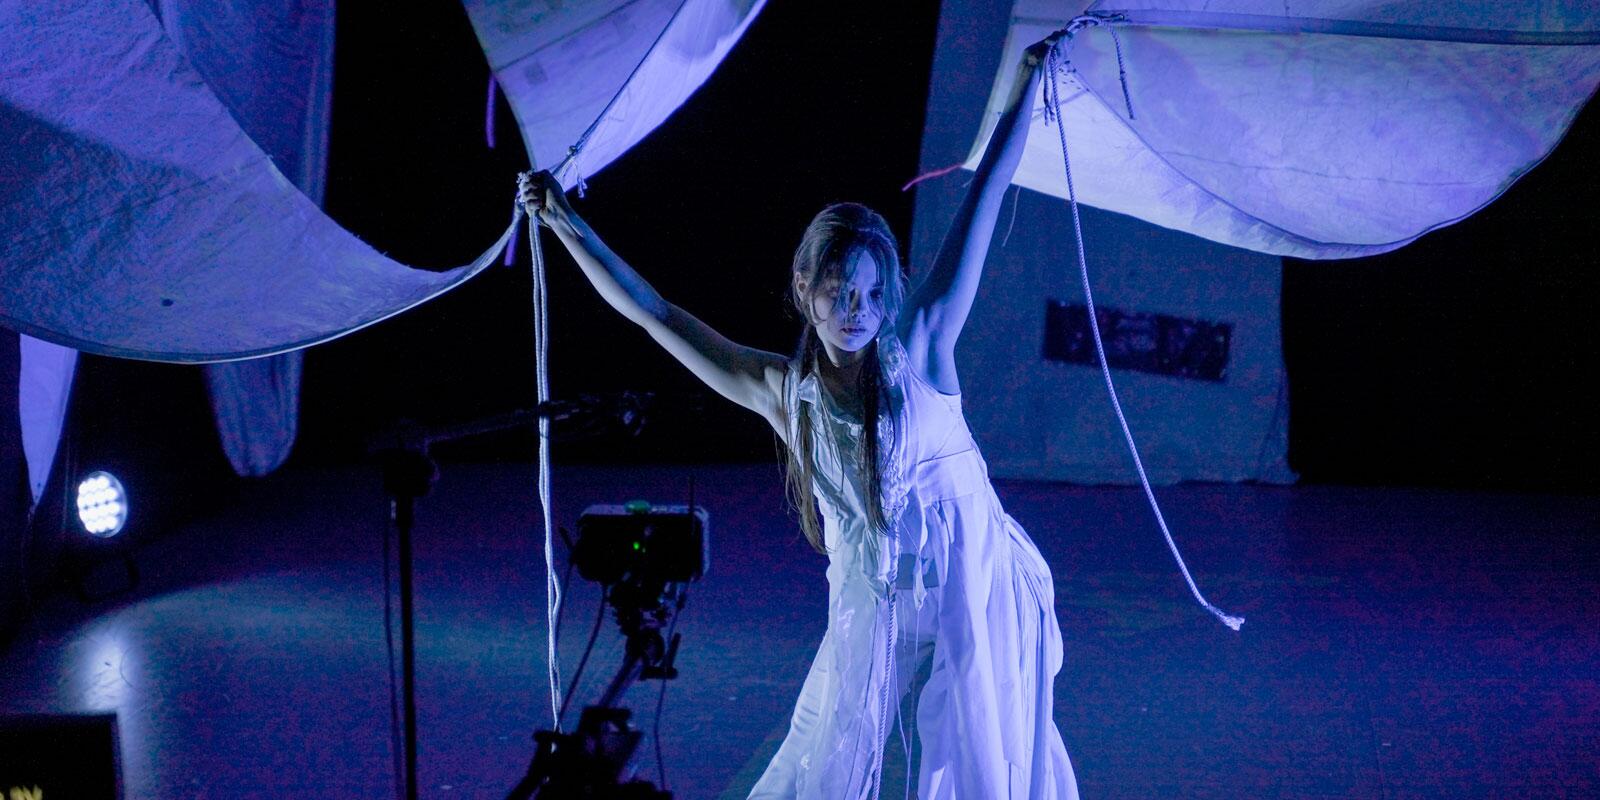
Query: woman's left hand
[[1036, 52]]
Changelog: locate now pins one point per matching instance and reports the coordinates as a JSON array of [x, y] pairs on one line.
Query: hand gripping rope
[[1055, 60], [541, 347], [541, 333]]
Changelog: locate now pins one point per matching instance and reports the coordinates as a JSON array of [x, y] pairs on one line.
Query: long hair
[[828, 247]]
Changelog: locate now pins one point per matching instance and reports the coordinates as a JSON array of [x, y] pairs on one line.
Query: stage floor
[[1401, 644]]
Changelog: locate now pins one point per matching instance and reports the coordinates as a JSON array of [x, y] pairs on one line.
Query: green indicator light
[[637, 506], [637, 546]]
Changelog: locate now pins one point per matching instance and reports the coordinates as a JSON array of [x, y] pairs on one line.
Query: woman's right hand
[[541, 195]]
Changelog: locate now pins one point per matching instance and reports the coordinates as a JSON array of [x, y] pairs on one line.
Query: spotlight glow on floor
[[102, 504]]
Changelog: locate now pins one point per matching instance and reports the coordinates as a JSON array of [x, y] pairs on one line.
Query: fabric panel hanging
[[597, 77], [1314, 129], [271, 63], [140, 220], [1192, 327], [137, 218]]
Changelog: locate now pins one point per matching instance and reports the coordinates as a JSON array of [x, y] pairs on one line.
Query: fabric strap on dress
[[1056, 59]]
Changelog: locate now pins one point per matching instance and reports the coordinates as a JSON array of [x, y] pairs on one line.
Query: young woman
[[925, 569]]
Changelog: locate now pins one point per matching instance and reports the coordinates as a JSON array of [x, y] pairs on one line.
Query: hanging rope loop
[[1054, 59], [541, 346], [552, 586]]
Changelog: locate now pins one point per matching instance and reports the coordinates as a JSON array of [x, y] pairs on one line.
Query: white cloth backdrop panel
[[1038, 418], [271, 63], [1396, 119], [138, 220]]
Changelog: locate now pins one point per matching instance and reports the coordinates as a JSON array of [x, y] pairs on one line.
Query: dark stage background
[[1462, 360]]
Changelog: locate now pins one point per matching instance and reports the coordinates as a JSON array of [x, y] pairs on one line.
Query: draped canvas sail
[[590, 78], [1327, 129], [270, 62], [138, 219]]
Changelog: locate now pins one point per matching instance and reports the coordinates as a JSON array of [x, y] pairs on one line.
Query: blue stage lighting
[[102, 504]]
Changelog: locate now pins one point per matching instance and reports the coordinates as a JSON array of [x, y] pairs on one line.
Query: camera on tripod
[[638, 542], [644, 557]]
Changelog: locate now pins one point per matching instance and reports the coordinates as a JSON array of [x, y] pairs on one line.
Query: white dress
[[957, 582]]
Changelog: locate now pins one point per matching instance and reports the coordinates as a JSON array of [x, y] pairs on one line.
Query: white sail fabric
[[598, 75], [137, 219], [1325, 129], [255, 405], [271, 63]]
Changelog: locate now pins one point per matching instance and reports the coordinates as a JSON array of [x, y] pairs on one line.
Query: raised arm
[[750, 377], [937, 309]]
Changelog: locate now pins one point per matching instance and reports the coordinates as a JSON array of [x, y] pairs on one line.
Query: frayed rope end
[[1228, 619]]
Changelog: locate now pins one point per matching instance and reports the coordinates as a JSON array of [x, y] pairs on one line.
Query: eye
[[877, 294]]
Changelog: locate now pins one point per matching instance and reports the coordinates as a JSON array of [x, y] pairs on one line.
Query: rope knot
[[1057, 59], [1094, 19]]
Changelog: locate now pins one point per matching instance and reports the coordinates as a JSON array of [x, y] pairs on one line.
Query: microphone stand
[[408, 472]]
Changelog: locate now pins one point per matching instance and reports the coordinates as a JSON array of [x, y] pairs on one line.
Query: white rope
[[1053, 110], [541, 346], [890, 673], [541, 324]]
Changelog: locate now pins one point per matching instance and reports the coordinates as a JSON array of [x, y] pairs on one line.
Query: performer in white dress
[[925, 569]]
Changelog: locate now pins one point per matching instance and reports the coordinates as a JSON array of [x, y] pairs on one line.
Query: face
[[848, 313]]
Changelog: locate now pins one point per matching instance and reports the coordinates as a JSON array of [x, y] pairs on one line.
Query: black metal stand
[[408, 473], [589, 761]]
